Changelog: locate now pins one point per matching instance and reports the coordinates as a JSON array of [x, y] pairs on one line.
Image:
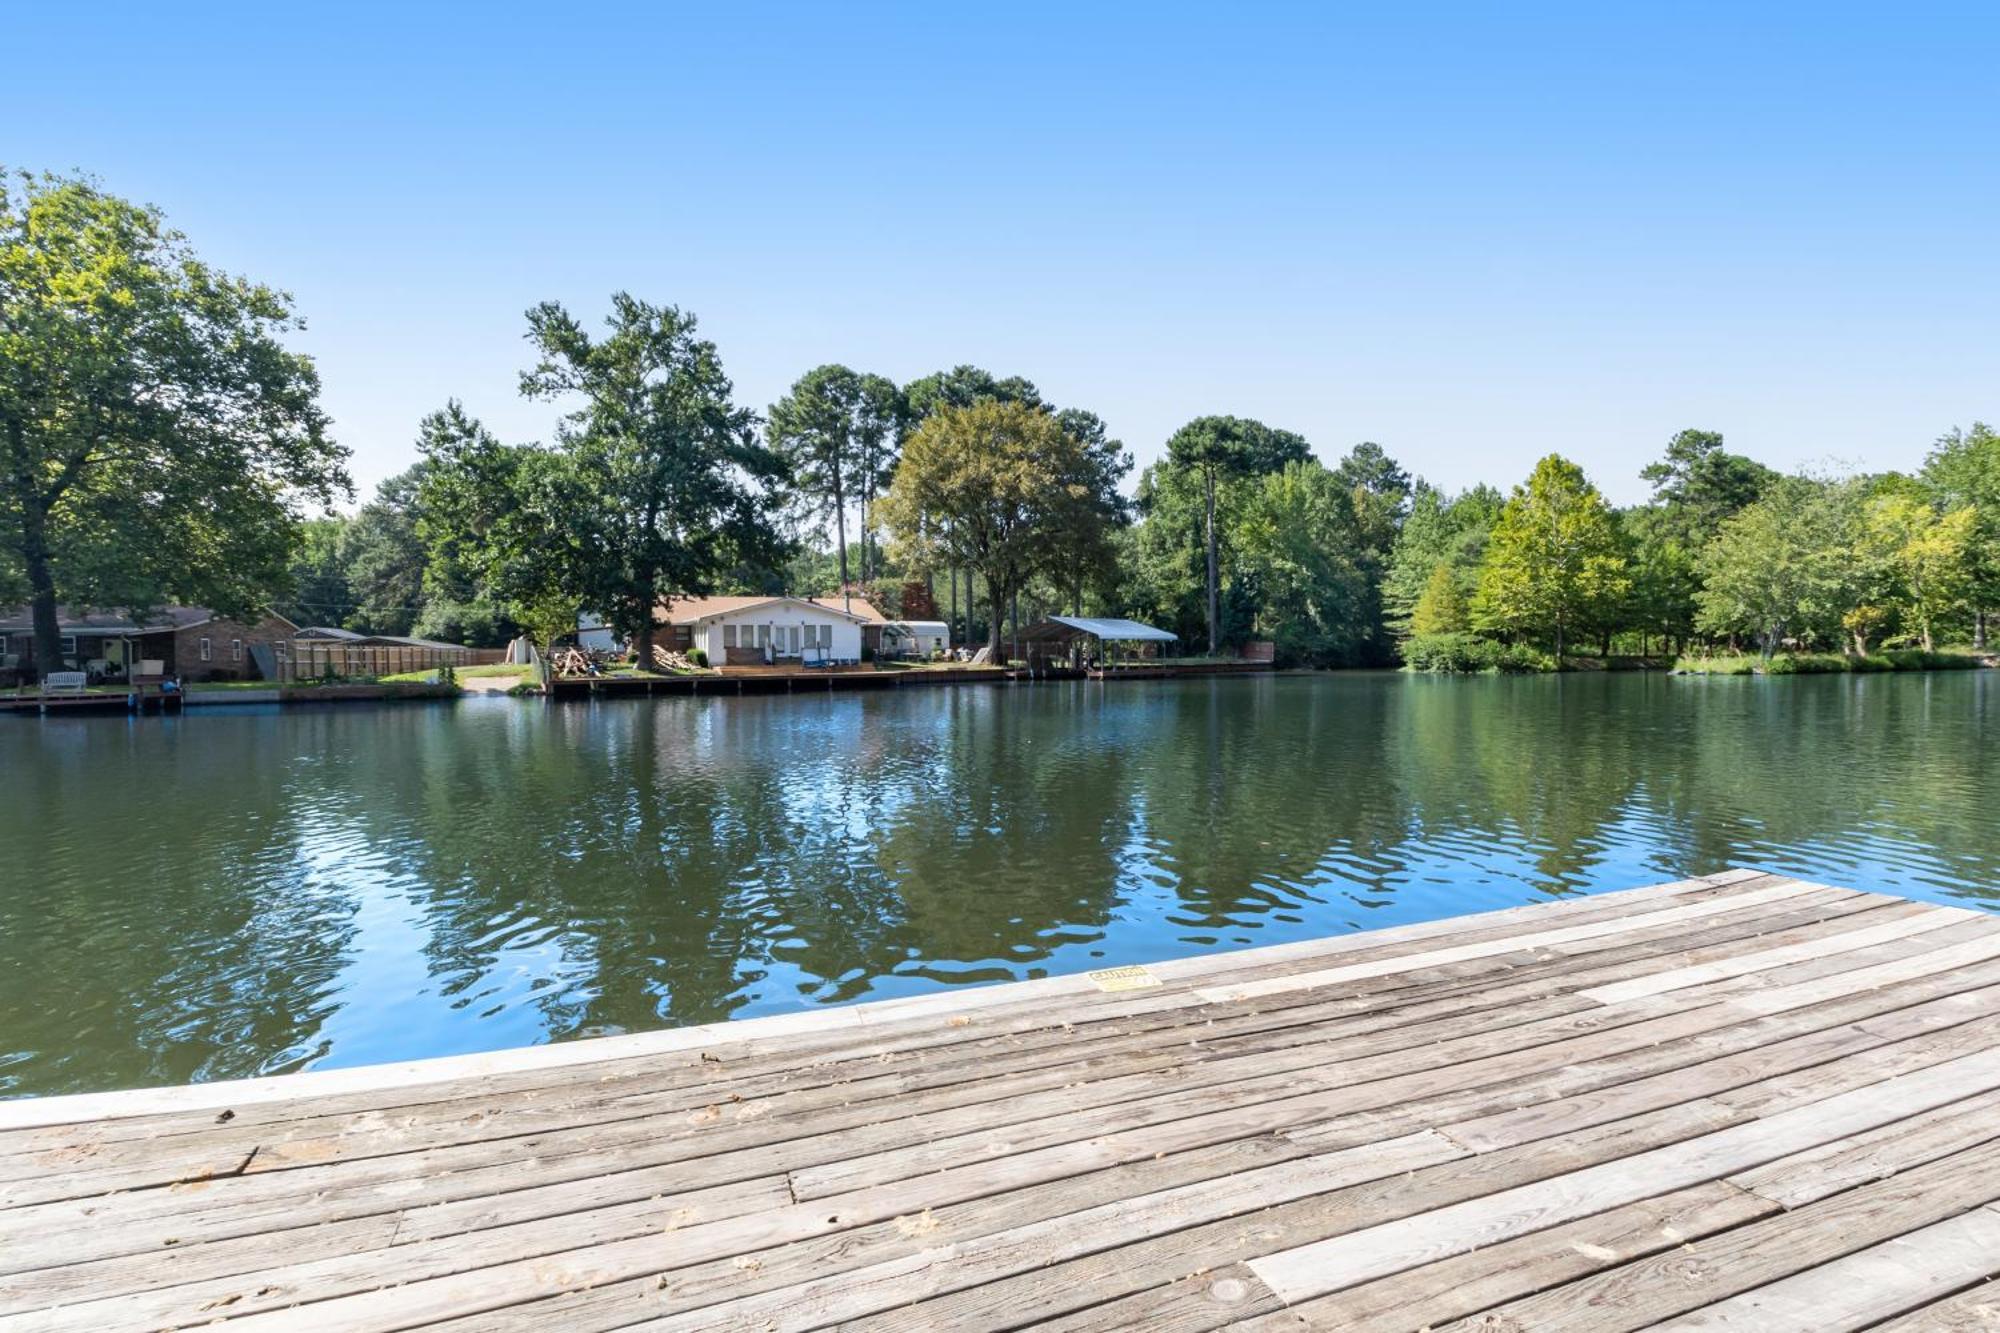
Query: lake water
[[246, 891]]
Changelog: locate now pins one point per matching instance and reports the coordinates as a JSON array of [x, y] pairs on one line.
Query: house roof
[[1104, 628], [338, 635], [82, 620], [688, 610]]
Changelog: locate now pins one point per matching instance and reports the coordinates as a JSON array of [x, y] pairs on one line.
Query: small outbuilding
[[917, 640]]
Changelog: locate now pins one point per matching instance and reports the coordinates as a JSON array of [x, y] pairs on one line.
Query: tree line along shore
[[160, 442]]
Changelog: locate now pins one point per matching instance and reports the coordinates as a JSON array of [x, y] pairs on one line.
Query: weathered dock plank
[[1734, 1101]]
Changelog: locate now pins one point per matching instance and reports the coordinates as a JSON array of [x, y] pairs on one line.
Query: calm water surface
[[249, 891]]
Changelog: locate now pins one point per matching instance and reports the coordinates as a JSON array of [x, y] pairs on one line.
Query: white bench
[[66, 682]]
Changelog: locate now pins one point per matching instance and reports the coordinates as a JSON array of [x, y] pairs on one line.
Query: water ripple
[[326, 887]]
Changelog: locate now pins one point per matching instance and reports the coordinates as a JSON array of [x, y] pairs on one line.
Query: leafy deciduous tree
[[1784, 565], [508, 520], [320, 593], [1964, 470], [1438, 530], [1302, 548], [1554, 560], [1924, 553], [993, 488], [669, 467], [383, 553], [157, 439]]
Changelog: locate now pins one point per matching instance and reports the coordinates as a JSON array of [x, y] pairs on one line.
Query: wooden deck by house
[[1734, 1102]]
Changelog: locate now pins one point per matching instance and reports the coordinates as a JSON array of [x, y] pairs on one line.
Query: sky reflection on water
[[252, 891]]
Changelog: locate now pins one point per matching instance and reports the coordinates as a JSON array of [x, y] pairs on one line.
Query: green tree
[[816, 429], [880, 425], [1963, 470], [1554, 562], [158, 441], [1084, 551], [1302, 550], [1163, 581], [1700, 484], [1786, 565], [1665, 580], [320, 593], [1381, 491], [385, 560], [1927, 557], [1442, 609], [992, 488], [1217, 449], [667, 468], [513, 522], [962, 386], [1438, 530]]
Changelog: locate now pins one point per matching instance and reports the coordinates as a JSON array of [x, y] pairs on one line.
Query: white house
[[594, 634], [749, 631]]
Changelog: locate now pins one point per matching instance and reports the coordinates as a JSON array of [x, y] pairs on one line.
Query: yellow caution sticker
[[1122, 978]]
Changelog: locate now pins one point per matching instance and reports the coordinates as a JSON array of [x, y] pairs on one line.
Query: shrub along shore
[[1821, 664], [1472, 654]]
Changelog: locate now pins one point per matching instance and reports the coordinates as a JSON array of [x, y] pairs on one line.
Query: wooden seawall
[[1734, 1102]]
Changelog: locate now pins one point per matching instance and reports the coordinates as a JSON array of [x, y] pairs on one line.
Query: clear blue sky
[[1474, 234]]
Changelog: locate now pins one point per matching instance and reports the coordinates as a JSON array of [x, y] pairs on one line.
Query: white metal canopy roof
[[1105, 628]]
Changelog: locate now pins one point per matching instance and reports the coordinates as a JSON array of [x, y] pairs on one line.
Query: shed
[[914, 638]]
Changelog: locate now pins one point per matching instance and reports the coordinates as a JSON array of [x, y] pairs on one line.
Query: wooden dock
[[1734, 1102]]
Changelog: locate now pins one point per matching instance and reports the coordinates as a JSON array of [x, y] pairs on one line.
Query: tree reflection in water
[[222, 895]]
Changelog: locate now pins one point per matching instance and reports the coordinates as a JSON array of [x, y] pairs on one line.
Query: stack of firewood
[[669, 660]]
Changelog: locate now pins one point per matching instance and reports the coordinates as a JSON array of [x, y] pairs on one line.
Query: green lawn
[[495, 669]]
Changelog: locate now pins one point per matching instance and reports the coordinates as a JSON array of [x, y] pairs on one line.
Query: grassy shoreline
[[1821, 664]]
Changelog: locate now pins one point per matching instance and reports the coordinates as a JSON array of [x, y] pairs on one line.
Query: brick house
[[189, 642]]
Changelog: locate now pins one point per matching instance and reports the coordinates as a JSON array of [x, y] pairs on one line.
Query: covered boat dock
[[1093, 645]]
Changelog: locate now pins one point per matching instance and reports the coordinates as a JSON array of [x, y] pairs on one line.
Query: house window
[[68, 645], [795, 638], [236, 650], [729, 636], [205, 651]]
